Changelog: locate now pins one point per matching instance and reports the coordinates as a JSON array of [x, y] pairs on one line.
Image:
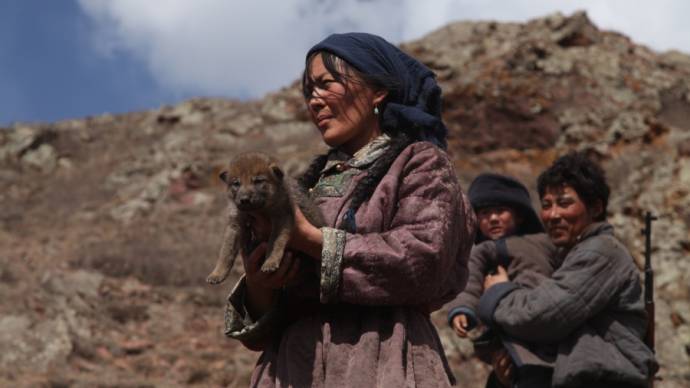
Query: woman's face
[[343, 111], [497, 221], [565, 215]]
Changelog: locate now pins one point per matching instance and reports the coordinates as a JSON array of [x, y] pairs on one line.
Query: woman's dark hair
[[344, 72], [586, 177], [400, 137]]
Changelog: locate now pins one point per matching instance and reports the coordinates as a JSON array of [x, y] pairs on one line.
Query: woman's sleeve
[[584, 285], [424, 249], [253, 333]]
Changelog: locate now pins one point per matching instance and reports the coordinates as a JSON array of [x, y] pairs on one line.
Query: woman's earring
[[376, 110]]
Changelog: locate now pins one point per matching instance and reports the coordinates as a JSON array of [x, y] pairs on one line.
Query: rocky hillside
[[109, 224]]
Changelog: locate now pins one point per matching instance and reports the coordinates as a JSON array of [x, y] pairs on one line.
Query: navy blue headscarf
[[416, 105]]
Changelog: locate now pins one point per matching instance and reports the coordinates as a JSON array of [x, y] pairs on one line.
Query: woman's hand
[[460, 325], [281, 277], [501, 276], [262, 286], [306, 237]]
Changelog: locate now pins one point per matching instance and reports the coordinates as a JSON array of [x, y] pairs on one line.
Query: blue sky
[[49, 71], [63, 59]]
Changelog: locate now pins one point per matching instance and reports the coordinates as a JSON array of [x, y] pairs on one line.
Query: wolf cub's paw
[[214, 279], [270, 266]]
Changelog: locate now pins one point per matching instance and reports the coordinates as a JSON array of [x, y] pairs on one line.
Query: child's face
[[497, 221]]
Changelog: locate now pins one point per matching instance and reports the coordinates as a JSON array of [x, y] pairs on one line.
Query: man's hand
[[501, 276], [460, 325], [503, 367]]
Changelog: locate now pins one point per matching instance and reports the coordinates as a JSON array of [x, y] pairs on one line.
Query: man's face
[[565, 215], [497, 221]]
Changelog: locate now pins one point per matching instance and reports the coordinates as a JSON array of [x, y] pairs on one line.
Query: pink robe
[[365, 321]]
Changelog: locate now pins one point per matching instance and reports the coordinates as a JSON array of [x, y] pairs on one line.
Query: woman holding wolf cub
[[352, 308]]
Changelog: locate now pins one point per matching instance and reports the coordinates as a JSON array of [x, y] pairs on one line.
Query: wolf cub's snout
[[253, 182]]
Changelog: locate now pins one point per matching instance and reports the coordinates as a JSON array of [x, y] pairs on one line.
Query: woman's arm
[[253, 314], [426, 244]]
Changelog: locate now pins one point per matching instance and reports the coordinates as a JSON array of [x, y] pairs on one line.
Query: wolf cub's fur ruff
[[257, 187]]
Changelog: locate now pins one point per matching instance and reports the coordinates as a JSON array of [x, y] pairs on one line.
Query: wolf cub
[[257, 187]]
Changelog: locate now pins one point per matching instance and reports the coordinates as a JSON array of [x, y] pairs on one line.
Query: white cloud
[[246, 48]]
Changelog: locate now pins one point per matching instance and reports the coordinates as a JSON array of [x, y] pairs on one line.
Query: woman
[[592, 306], [398, 236]]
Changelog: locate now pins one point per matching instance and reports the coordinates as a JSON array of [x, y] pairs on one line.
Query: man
[[591, 308]]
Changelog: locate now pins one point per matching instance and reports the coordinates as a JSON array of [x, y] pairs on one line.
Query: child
[[511, 235]]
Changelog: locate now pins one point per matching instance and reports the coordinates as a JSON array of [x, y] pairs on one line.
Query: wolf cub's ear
[[223, 176], [277, 172]]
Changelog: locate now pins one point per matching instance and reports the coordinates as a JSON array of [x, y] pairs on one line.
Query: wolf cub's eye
[[259, 179], [235, 183]]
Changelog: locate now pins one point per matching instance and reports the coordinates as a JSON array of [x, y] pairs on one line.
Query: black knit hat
[[499, 190]]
